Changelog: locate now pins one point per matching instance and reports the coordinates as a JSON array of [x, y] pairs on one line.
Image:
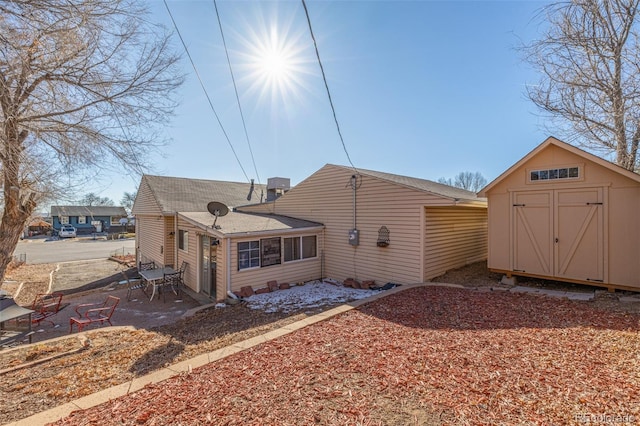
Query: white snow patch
[[310, 295]]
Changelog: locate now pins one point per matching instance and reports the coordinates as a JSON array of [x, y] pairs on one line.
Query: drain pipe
[[229, 266]]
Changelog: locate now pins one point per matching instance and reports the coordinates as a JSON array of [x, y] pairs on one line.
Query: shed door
[[559, 233], [579, 230], [532, 232]]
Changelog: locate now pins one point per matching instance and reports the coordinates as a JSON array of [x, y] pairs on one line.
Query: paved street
[[42, 250]]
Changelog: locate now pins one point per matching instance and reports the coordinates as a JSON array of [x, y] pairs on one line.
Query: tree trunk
[[11, 228]]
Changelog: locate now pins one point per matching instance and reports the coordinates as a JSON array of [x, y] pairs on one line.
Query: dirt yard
[[424, 356], [428, 356]]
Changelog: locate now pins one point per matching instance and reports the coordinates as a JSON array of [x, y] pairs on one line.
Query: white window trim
[[64, 220]]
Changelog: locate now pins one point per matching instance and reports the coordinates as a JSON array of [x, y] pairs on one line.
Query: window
[[248, 254], [309, 247], [64, 220], [115, 220], [270, 248], [297, 248], [554, 174], [183, 240], [82, 220], [291, 249]]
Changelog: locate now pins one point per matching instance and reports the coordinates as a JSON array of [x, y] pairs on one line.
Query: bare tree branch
[[82, 84], [589, 60]]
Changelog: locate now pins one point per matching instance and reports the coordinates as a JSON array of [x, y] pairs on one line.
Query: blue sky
[[421, 88]]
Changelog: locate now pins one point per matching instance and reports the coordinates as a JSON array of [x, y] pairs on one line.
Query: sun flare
[[277, 60]]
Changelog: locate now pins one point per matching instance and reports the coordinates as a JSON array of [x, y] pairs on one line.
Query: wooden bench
[[89, 313], [45, 306]]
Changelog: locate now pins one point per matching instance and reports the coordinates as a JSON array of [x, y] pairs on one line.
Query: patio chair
[[133, 284], [170, 282], [183, 267], [45, 306], [89, 313], [146, 266]]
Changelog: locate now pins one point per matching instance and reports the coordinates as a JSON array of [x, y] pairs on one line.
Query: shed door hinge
[[595, 204], [592, 279], [518, 205]]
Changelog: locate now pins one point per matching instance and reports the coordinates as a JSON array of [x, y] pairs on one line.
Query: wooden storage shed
[[386, 227], [564, 214]]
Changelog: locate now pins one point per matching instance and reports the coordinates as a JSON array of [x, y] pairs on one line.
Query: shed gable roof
[[88, 211], [175, 194], [562, 145]]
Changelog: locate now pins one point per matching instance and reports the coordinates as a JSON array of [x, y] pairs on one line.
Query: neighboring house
[[407, 230], [386, 227], [564, 214], [88, 219]]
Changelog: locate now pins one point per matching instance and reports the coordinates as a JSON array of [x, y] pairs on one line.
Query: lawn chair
[[170, 282], [133, 284], [45, 306], [88, 313]]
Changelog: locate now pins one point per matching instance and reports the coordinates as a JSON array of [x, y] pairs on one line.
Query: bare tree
[[82, 84], [589, 58], [128, 198], [92, 199], [466, 180]]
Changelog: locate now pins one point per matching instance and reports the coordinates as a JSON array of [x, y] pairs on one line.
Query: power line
[[204, 89], [235, 88], [324, 77]]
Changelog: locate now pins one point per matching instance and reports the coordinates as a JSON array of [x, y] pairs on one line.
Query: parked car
[[67, 231]]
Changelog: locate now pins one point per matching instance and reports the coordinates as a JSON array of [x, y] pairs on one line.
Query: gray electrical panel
[[354, 237]]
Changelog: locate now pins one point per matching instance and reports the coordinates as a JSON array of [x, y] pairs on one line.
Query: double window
[[297, 248], [273, 251]]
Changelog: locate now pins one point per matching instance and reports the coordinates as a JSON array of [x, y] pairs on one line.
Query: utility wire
[[204, 89], [324, 77], [235, 88]]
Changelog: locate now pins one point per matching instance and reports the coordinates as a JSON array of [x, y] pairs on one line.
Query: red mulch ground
[[422, 356]]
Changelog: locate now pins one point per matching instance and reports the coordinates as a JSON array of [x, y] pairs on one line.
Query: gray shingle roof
[[175, 194], [236, 222], [88, 211], [421, 184]]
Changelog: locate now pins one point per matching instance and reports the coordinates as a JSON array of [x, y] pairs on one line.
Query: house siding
[[327, 197], [454, 237], [150, 239], [190, 255], [145, 203], [287, 272]]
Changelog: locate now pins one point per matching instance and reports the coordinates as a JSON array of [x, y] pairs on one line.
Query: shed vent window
[[554, 174]]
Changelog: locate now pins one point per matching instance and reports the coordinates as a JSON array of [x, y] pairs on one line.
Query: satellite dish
[[217, 209]]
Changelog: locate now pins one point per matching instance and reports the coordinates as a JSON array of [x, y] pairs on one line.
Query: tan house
[[564, 214], [386, 227], [338, 223]]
